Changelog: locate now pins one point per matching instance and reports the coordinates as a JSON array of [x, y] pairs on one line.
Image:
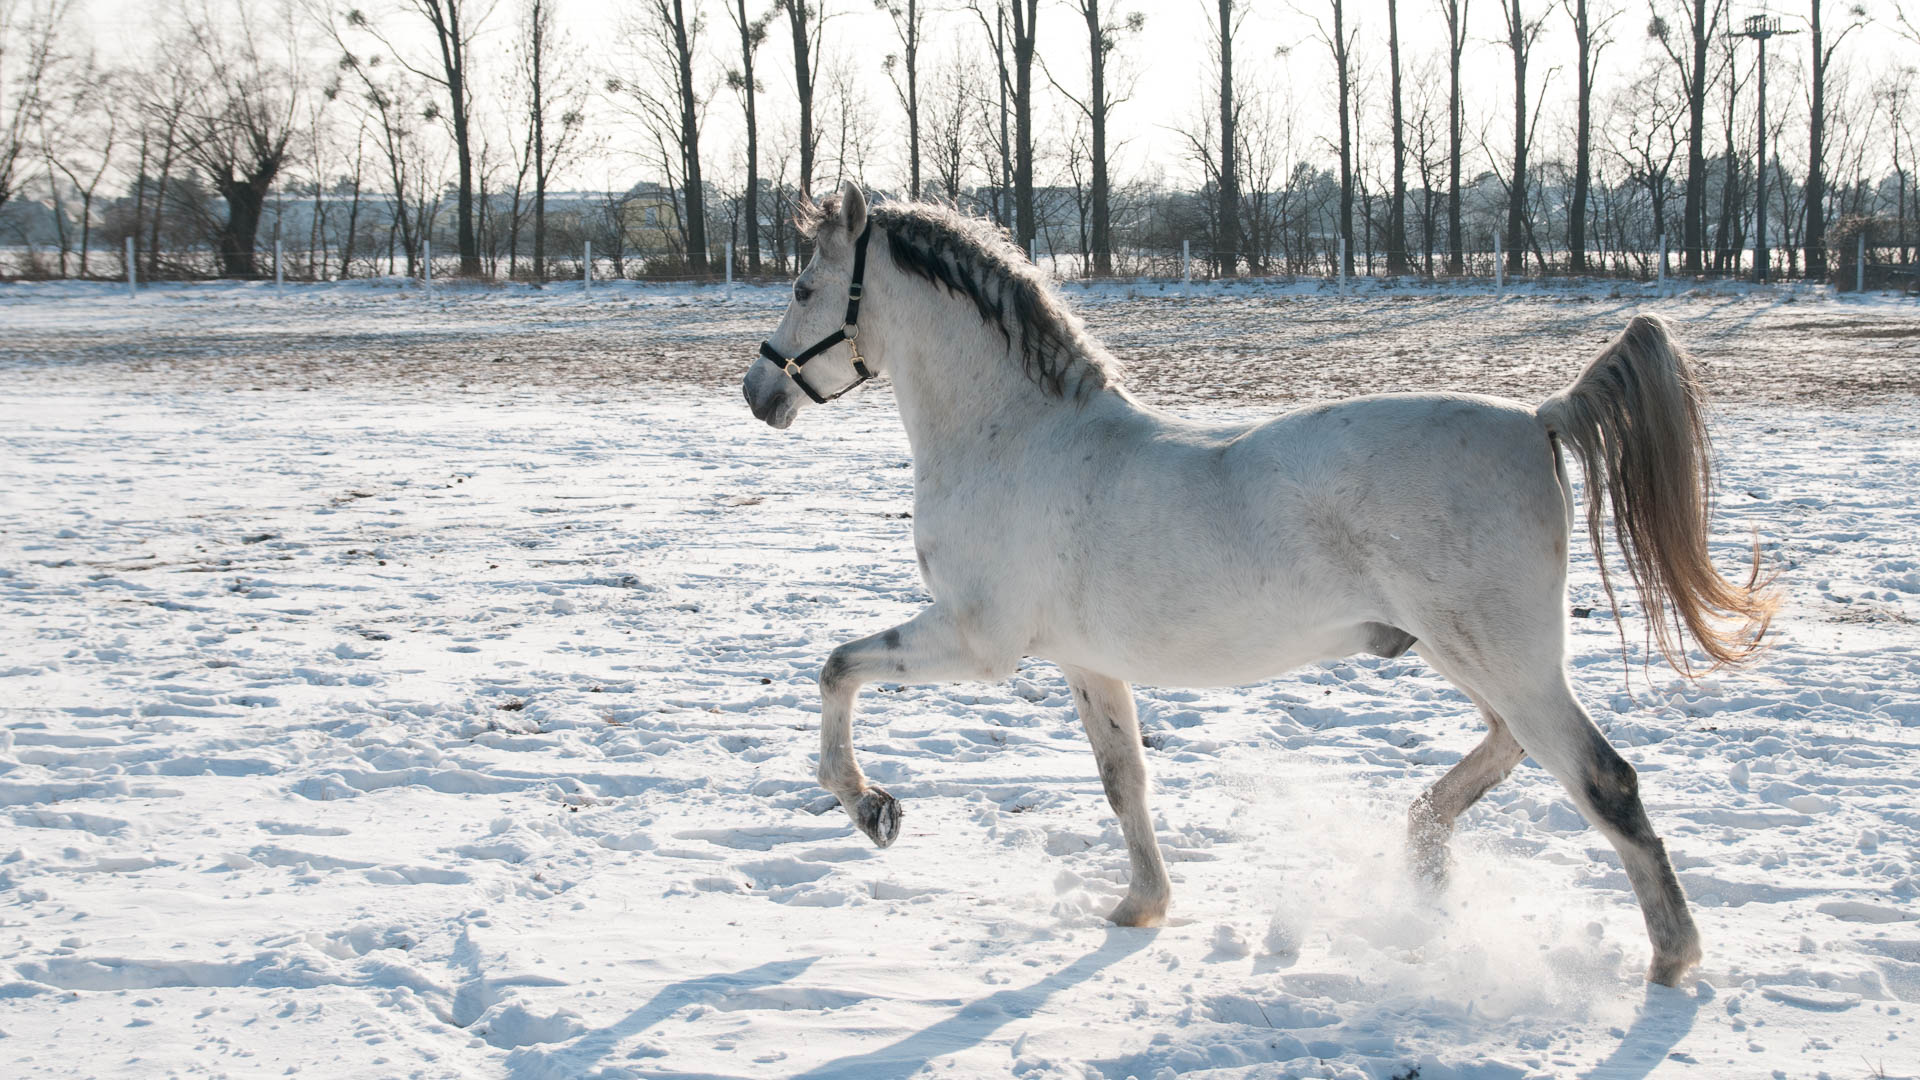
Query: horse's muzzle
[[770, 394]]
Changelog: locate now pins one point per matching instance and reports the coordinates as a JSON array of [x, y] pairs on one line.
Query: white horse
[[1056, 516]]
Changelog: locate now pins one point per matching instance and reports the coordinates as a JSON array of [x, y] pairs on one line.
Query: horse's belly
[[1213, 652]]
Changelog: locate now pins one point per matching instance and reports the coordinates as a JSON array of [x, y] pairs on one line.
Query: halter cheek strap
[[849, 333]]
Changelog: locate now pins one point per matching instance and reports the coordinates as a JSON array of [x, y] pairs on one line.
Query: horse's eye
[[802, 294]]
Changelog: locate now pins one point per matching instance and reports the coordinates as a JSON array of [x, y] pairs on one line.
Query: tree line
[[361, 137]]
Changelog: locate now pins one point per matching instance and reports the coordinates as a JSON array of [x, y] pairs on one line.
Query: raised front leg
[[926, 648], [1106, 710]]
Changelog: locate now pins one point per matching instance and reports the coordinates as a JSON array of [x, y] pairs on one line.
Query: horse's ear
[[853, 207]]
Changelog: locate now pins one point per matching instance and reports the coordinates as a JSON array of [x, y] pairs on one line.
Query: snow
[[377, 707]]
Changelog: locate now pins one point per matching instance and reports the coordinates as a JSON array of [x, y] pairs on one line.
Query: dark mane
[[974, 258]]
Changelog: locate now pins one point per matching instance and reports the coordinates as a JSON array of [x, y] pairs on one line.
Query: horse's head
[[814, 355]]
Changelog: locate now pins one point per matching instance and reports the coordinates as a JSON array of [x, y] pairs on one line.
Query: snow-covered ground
[[396, 687]]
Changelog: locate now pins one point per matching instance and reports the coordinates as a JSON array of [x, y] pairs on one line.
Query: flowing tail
[[1634, 420]]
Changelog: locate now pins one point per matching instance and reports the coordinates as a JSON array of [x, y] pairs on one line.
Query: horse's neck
[[959, 389]]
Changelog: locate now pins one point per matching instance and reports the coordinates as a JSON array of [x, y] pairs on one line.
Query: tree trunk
[[1026, 15], [1582, 139], [353, 218], [1816, 194], [1344, 75], [1693, 224], [1517, 192], [537, 57], [160, 199], [146, 139], [1228, 241], [1005, 188], [1456, 14], [797, 15], [1102, 207], [445, 17], [1397, 212], [690, 146], [747, 49], [1725, 253], [245, 197], [913, 98]]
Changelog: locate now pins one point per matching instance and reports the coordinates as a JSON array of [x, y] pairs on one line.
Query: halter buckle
[[792, 369], [852, 331]]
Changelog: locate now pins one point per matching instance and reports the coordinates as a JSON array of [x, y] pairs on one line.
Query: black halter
[[849, 333]]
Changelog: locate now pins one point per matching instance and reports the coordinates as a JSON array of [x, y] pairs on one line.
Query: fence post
[[130, 273], [426, 263], [729, 262], [586, 267], [279, 277], [1499, 269], [1660, 270], [1341, 268], [1186, 262], [1860, 264]]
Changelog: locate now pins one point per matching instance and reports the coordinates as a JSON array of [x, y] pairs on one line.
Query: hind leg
[[1430, 820], [1607, 790], [1106, 711], [1547, 721]]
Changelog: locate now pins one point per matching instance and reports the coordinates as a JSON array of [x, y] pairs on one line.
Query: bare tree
[[555, 115], [996, 31], [1103, 37], [79, 129], [1429, 156], [807, 24], [1026, 34], [1522, 33], [1894, 95], [1266, 160], [1729, 238], [1689, 58], [242, 122], [1227, 178], [1340, 42], [903, 68], [1823, 52], [1455, 12], [1397, 212], [1589, 39], [167, 95], [391, 104], [849, 133], [352, 182], [662, 41], [454, 24], [753, 34], [1646, 139], [29, 36], [951, 110]]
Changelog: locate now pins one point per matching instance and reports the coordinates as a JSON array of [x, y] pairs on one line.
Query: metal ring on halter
[[849, 332]]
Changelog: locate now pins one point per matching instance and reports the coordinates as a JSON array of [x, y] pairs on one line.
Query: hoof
[[1136, 912], [878, 815], [1431, 865], [1669, 970]]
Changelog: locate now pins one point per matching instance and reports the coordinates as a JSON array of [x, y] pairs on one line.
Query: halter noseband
[[849, 333]]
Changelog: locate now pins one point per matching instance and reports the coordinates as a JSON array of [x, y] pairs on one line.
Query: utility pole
[[1760, 28]]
